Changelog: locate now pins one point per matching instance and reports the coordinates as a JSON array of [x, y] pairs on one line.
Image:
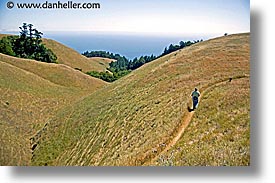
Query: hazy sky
[[156, 16]]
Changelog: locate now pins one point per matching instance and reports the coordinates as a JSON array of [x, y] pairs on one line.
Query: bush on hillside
[[6, 46], [27, 45], [108, 76]]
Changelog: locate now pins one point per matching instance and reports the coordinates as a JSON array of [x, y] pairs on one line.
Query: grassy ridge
[[31, 93], [27, 102], [127, 121], [219, 133], [102, 61], [56, 73], [73, 59]]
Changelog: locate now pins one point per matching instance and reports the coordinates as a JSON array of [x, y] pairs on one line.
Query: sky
[[177, 17]]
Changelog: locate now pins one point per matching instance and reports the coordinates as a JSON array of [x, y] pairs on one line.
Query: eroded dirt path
[[187, 119]]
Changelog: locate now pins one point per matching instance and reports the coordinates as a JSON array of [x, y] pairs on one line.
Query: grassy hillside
[[130, 121], [57, 73], [31, 93], [102, 61], [73, 59], [27, 102], [218, 134]]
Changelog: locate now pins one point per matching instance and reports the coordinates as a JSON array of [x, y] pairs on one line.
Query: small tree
[[165, 51], [24, 30], [27, 45], [182, 44], [6, 46], [30, 30]]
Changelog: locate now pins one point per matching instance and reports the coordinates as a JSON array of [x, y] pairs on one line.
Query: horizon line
[[172, 34]]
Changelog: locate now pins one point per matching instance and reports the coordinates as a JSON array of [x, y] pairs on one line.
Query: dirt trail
[[187, 119]]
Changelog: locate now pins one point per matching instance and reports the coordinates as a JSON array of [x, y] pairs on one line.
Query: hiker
[[195, 97]]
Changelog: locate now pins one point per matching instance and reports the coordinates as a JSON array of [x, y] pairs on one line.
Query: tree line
[[118, 68], [122, 66], [27, 45], [182, 44]]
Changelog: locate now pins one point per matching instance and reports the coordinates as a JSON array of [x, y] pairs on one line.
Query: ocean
[[128, 45]]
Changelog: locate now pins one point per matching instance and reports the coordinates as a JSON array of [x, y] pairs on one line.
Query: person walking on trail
[[195, 97]]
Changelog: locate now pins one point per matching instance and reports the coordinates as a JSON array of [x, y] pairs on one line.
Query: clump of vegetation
[[104, 54], [122, 66], [27, 45], [182, 44], [108, 76], [118, 68], [6, 46]]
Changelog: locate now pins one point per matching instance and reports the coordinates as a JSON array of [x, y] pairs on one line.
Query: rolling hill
[[68, 56], [131, 121], [31, 93], [73, 59], [27, 102], [219, 132], [102, 61], [57, 73]]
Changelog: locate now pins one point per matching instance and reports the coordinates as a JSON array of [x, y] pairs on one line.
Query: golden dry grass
[[73, 59], [102, 61], [56, 73], [132, 119], [219, 133], [31, 93], [27, 102]]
